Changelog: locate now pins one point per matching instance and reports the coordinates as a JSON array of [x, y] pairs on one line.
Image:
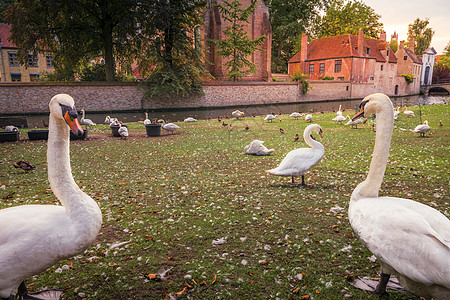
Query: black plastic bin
[[115, 130], [153, 129], [82, 137], [9, 136], [38, 134]]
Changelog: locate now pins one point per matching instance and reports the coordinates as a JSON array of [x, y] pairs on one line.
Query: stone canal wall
[[20, 98]]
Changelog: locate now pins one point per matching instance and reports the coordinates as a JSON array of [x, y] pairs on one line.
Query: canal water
[[254, 110]]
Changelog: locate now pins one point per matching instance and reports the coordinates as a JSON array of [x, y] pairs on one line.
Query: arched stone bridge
[[436, 88]]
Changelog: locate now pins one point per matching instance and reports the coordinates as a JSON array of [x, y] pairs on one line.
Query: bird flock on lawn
[[409, 239]]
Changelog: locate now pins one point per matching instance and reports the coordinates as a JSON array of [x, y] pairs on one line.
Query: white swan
[[85, 121], [270, 117], [354, 123], [299, 161], [295, 115], [410, 239], [123, 131], [409, 113], [308, 118], [11, 128], [339, 112], [147, 120], [339, 118], [190, 119], [256, 147], [422, 129], [237, 114], [34, 237], [396, 113], [169, 126]]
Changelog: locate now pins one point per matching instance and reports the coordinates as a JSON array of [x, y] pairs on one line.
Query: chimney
[[361, 42], [304, 49], [411, 43], [402, 45], [383, 36]]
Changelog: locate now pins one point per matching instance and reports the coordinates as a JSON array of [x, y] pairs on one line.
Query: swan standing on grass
[[410, 240], [422, 129], [295, 115], [85, 121], [354, 123], [269, 117], [35, 237], [169, 126], [299, 161], [256, 147]]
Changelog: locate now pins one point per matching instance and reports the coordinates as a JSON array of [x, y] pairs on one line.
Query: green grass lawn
[[171, 196]]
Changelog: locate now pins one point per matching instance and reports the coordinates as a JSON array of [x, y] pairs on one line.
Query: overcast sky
[[396, 15]]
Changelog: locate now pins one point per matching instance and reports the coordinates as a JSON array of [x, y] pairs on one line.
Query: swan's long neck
[[308, 140], [385, 122], [76, 202], [83, 114]]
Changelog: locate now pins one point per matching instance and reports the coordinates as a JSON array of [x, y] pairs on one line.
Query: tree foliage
[[393, 44], [237, 46], [289, 19], [3, 6], [76, 30], [172, 58], [441, 70], [348, 17], [422, 35]]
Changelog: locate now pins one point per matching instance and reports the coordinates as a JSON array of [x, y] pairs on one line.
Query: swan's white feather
[[413, 239], [298, 162]]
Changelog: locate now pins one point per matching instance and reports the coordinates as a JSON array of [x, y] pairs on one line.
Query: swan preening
[[422, 129], [308, 118], [237, 114], [34, 237], [11, 128], [256, 147], [410, 240], [299, 161]]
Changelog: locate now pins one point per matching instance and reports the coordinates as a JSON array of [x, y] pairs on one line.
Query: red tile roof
[[344, 46], [5, 33]]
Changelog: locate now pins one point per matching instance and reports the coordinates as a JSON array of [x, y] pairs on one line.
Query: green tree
[[3, 6], [394, 45], [74, 30], [444, 60], [172, 58], [237, 46], [348, 18], [422, 35], [289, 19]]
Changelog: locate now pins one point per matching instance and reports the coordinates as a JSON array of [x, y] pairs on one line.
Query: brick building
[[346, 57], [258, 25], [408, 62], [11, 70]]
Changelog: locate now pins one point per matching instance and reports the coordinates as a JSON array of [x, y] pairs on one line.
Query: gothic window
[[405, 57], [311, 68], [381, 67]]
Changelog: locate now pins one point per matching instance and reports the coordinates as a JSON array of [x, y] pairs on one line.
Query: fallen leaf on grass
[[214, 279], [296, 290], [181, 292]]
